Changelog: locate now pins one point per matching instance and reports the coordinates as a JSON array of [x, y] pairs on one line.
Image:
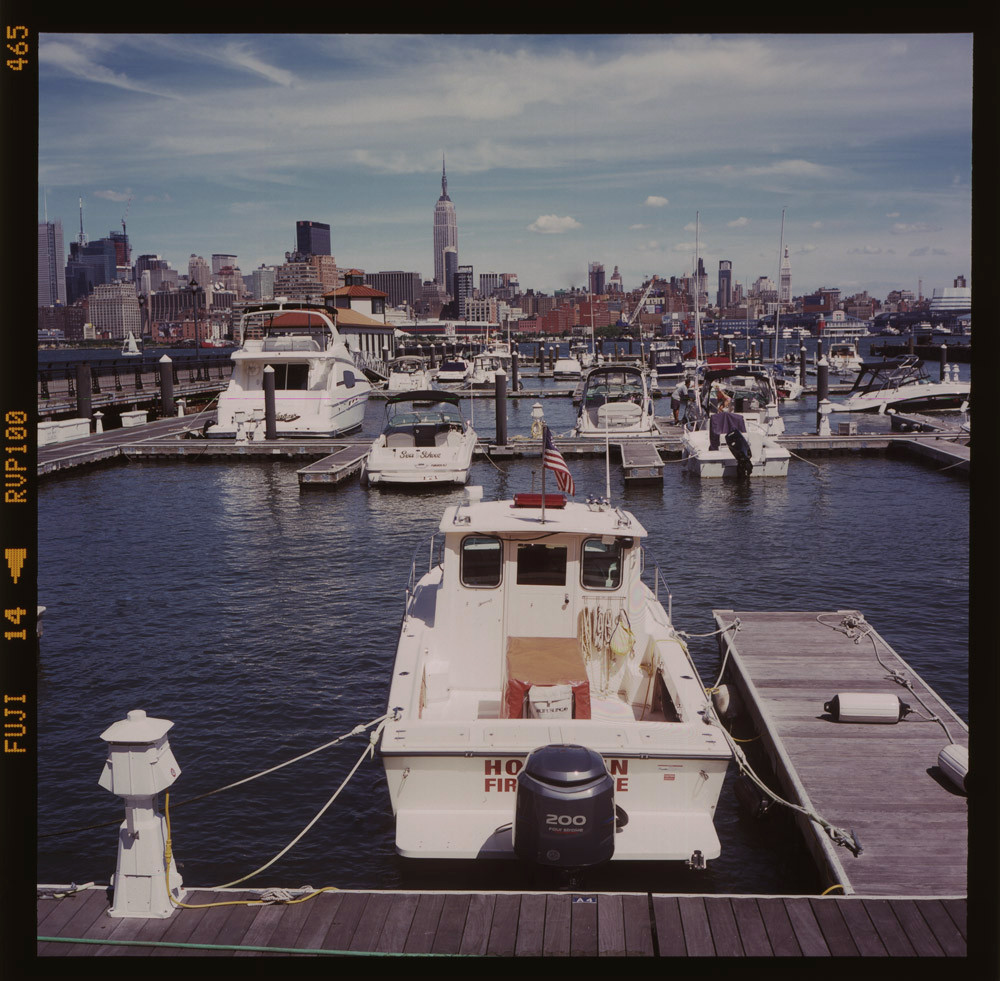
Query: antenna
[[82, 238]]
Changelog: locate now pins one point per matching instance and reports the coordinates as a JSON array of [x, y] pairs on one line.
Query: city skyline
[[561, 151]]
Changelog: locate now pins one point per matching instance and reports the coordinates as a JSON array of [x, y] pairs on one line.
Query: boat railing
[[435, 548], [658, 578]]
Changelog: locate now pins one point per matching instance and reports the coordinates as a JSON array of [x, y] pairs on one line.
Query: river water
[[262, 621]]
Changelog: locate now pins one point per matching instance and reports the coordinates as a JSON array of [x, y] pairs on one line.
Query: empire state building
[[445, 228]]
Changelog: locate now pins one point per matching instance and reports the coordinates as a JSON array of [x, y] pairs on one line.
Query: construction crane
[[638, 307], [124, 216]]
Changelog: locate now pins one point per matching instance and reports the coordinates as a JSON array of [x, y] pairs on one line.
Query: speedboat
[[409, 373], [319, 389], [844, 359], [567, 367], [615, 402], [902, 383], [734, 435], [425, 441], [542, 705]]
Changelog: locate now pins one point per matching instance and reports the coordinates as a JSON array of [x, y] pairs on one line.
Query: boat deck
[[510, 925], [880, 781]]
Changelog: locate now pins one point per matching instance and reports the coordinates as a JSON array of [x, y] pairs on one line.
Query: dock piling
[[500, 388], [166, 368], [270, 414]]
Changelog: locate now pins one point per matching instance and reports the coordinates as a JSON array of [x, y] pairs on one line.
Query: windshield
[[401, 414], [612, 386]]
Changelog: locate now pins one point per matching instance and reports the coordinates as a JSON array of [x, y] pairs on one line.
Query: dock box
[[137, 417], [847, 429]]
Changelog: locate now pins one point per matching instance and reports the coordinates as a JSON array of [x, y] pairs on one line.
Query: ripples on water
[[262, 620]]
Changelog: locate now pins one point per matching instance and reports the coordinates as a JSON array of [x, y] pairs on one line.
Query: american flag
[[553, 460]]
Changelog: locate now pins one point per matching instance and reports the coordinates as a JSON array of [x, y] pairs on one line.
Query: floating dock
[[505, 924], [881, 782], [343, 462]]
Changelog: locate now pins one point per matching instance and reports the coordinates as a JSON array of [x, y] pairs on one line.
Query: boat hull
[[769, 458], [315, 418]]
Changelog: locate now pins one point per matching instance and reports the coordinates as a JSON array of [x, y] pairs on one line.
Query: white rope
[[370, 748]]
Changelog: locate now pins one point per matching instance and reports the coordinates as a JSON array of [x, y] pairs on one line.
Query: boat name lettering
[[422, 455], [501, 775]]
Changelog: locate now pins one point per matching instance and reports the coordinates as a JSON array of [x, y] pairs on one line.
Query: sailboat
[[130, 347]]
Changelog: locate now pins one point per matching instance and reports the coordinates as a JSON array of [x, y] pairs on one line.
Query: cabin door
[[541, 597]]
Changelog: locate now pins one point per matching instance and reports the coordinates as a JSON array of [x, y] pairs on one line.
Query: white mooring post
[[140, 765]]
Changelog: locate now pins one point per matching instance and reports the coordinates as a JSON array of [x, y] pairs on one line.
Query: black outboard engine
[[565, 809], [740, 449]]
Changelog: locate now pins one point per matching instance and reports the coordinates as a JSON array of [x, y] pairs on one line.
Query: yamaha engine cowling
[[565, 810]]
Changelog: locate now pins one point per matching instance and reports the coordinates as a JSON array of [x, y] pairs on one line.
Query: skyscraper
[[445, 228], [724, 297], [51, 264], [785, 279], [596, 276], [312, 238]]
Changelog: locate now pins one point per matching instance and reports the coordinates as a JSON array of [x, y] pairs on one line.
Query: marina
[[750, 899]]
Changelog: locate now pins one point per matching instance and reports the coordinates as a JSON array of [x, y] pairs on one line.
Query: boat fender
[[953, 761], [727, 702], [751, 798], [866, 707]]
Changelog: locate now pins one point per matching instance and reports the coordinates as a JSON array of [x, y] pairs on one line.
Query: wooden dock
[[342, 463], [641, 460], [879, 781], [474, 924]]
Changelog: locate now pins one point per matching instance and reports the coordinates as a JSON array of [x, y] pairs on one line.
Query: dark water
[[262, 621]]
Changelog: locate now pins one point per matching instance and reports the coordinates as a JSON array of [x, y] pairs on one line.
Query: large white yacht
[[425, 440], [542, 705], [616, 403], [319, 390], [902, 383]]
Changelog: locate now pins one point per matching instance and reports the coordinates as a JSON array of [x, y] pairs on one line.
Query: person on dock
[[679, 398]]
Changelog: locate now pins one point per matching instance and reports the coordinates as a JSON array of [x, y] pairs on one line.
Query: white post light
[[140, 764]]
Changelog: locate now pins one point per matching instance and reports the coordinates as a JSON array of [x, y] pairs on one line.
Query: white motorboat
[[567, 367], [616, 403], [319, 389], [485, 365], [409, 373], [453, 370], [902, 383], [735, 433], [425, 441], [542, 705], [844, 359], [130, 347]]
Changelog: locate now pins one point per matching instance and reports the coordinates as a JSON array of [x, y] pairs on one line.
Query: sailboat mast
[[777, 311]]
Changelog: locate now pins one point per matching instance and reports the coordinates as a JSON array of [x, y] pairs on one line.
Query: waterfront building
[[445, 229], [304, 276], [312, 238], [262, 283], [114, 309], [953, 299], [724, 296], [51, 264], [595, 278]]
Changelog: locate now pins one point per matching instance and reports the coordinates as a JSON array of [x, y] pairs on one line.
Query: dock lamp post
[[196, 291], [140, 764]]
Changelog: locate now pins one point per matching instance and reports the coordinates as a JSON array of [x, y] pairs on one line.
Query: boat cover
[[722, 423], [544, 661]]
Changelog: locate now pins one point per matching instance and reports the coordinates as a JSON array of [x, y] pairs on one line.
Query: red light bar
[[535, 500]]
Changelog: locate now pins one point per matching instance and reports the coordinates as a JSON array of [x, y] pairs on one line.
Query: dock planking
[[504, 924], [880, 781]]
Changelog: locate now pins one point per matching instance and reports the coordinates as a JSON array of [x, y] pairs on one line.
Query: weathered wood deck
[[880, 781], [511, 925]]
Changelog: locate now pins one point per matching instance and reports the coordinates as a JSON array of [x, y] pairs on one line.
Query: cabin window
[[541, 565], [349, 379], [482, 562], [601, 564], [291, 376]]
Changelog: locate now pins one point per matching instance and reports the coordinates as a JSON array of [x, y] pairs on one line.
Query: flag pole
[[545, 435]]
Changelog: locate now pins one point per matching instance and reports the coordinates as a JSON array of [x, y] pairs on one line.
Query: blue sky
[[561, 150]]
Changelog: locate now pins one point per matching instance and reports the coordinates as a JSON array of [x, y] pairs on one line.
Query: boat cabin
[[422, 419]]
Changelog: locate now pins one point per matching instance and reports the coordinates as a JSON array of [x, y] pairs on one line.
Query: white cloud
[[113, 195], [892, 214], [553, 224], [739, 223], [637, 228], [240, 55], [655, 201], [901, 228]]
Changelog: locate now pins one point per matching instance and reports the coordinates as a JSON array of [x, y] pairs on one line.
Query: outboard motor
[[740, 449], [565, 810]]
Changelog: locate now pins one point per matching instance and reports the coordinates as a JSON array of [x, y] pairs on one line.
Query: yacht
[[666, 363], [902, 383], [615, 402], [453, 370], [319, 390], [739, 408], [542, 705], [409, 373], [425, 440]]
